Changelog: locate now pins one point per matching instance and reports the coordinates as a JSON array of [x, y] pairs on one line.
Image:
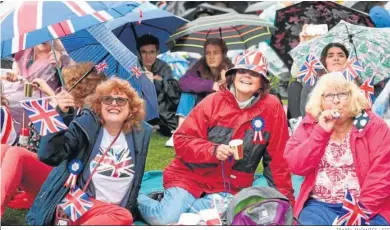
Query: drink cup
[[238, 146], [210, 216], [189, 219], [28, 89]]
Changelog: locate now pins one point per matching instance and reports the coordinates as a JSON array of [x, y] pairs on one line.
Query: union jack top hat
[[252, 60]]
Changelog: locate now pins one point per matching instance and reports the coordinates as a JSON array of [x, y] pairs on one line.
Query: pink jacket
[[371, 154]]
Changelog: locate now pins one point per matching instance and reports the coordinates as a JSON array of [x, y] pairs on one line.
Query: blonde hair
[[336, 80]]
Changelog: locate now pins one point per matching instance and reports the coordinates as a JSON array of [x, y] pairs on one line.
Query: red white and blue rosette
[[258, 125], [74, 167]]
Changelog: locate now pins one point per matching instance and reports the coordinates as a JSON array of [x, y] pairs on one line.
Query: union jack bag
[[76, 203]]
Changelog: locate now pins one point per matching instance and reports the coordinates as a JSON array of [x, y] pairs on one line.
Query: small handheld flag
[[44, 117], [309, 71]]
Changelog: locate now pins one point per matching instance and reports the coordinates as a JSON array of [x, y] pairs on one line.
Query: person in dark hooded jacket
[[167, 89]]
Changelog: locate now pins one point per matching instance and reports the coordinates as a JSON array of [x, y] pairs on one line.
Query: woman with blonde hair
[[20, 166], [340, 144], [101, 155]]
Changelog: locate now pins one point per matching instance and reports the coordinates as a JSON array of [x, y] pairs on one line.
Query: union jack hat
[[251, 60]]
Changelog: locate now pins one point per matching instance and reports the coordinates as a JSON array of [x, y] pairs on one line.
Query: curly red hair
[[135, 103], [87, 86]]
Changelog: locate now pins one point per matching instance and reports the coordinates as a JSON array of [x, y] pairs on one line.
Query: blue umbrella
[[99, 45], [35, 22], [155, 21], [177, 62]]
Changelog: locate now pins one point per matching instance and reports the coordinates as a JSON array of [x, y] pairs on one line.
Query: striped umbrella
[[238, 30], [35, 22]]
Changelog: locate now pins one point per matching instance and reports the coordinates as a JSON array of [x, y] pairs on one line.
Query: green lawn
[[159, 157]]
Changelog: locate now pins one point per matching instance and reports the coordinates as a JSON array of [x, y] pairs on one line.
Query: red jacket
[[217, 120], [371, 154]]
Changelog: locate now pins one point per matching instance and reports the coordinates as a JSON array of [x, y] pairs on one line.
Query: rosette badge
[[258, 125], [74, 167]]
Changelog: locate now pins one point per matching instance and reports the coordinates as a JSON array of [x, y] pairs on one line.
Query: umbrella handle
[[57, 68]]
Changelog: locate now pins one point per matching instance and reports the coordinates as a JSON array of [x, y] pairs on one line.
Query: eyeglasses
[[244, 71], [330, 96], [108, 100]]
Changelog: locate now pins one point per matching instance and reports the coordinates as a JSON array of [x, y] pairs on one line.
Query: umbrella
[[260, 6], [155, 21], [35, 22], [382, 103], [99, 45], [290, 20], [205, 8], [177, 62], [369, 45], [239, 32]]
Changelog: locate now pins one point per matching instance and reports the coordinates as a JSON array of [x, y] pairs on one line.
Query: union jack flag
[[353, 213], [44, 117], [308, 72], [100, 67], [75, 204], [353, 69], [368, 89], [140, 17], [7, 131], [136, 71], [119, 165]]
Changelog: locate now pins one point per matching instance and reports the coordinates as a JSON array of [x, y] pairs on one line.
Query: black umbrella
[[260, 6], [205, 9], [239, 31], [290, 20]]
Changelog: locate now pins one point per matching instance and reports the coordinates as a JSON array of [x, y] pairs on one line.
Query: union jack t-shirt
[[113, 177]]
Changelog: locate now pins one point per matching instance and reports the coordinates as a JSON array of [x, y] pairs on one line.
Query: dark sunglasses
[[251, 73], [108, 100]]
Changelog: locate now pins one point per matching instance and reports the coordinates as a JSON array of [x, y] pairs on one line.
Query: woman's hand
[[223, 152], [11, 77], [65, 101], [328, 119], [304, 36], [41, 84]]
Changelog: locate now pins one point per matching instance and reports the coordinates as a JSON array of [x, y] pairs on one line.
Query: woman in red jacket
[[340, 146], [203, 167]]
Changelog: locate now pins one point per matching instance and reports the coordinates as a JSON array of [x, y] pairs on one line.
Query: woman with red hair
[[99, 159]]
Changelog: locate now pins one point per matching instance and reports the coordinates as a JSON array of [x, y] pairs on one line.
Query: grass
[[159, 157]]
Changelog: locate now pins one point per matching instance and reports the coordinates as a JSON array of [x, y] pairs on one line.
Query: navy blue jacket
[[58, 149]]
